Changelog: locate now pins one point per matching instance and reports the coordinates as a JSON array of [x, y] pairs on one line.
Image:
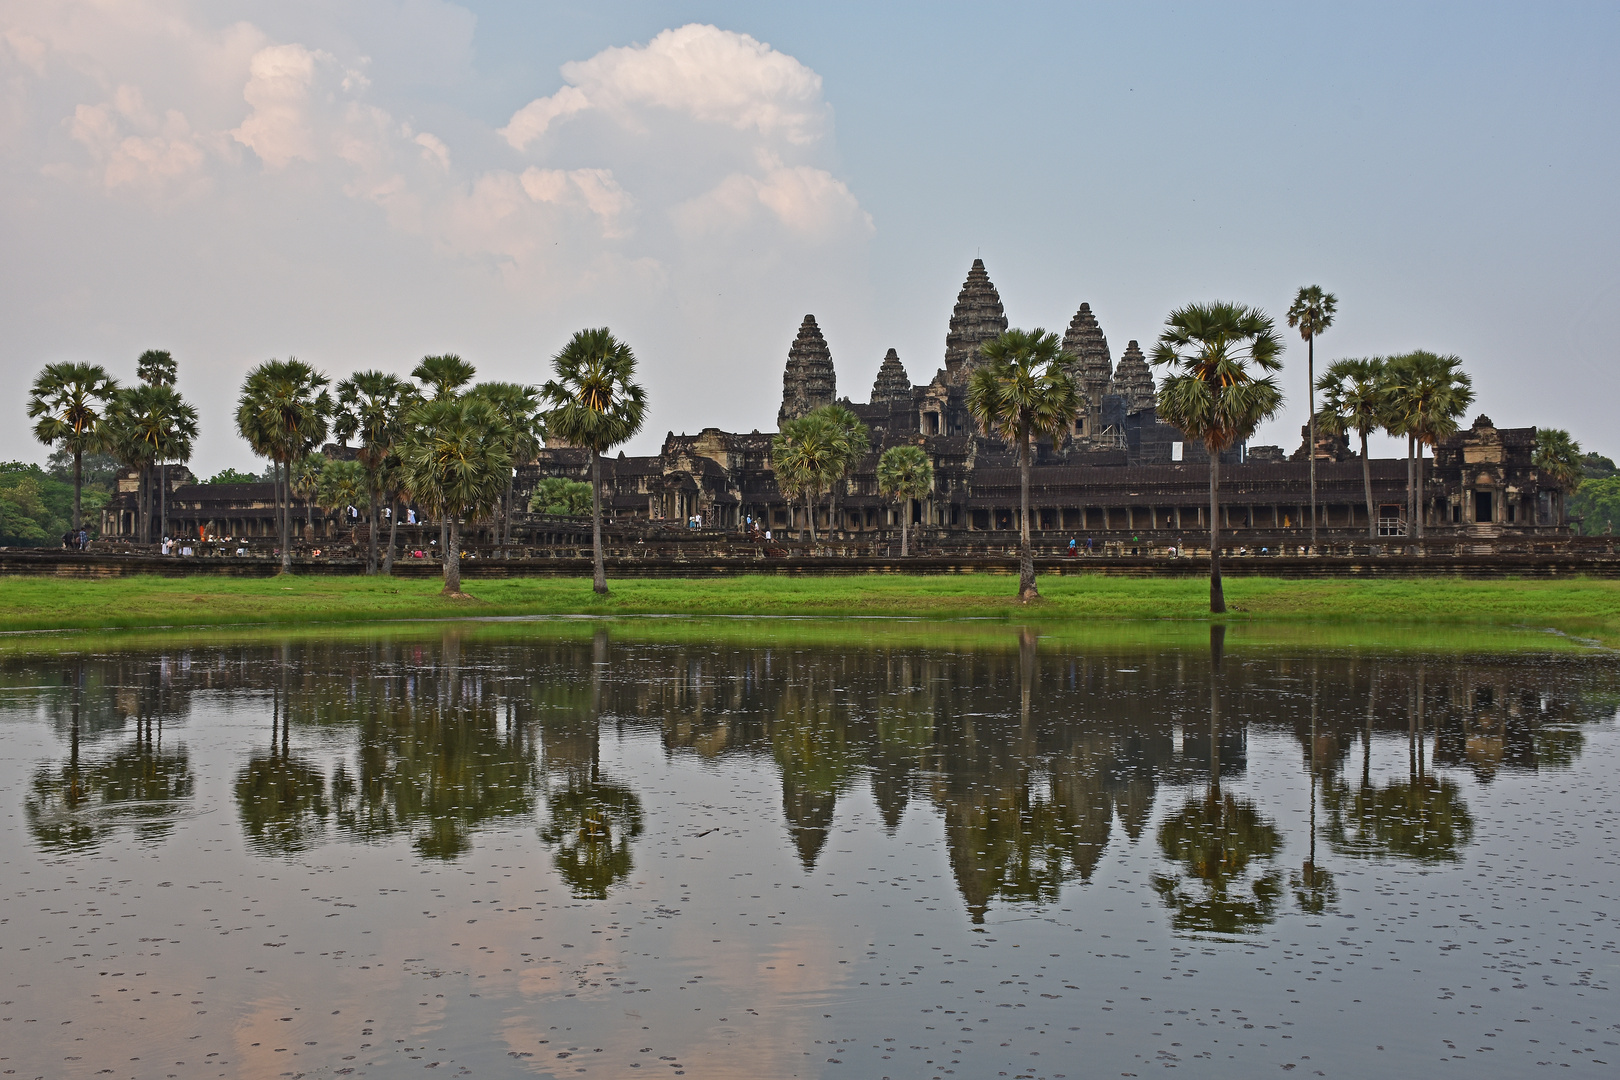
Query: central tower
[[977, 318]]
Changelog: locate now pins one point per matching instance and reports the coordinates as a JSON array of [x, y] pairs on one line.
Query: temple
[[1119, 475]]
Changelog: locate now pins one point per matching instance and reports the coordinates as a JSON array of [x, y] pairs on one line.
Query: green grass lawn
[[1425, 607]]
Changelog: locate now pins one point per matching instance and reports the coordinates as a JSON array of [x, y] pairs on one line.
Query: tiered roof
[[1133, 380], [977, 318], [1094, 366], [809, 381], [893, 384]]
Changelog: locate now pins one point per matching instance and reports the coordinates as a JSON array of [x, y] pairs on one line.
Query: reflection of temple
[[1036, 761], [1118, 470]]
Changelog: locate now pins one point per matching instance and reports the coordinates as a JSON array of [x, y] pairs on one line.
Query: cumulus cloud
[[711, 75]]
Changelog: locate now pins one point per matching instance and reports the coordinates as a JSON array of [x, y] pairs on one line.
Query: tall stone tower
[[977, 318], [892, 384], [808, 382], [1133, 380], [1092, 369]]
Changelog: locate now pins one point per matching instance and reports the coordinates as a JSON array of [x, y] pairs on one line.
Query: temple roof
[[977, 318], [1093, 367], [1133, 380], [892, 381], [808, 381]]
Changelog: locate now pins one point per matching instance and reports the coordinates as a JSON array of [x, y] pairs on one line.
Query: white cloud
[[279, 81], [711, 75]]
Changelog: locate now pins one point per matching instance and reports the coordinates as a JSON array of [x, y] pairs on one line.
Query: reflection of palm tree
[[1314, 890], [592, 824], [77, 805], [1215, 839], [1423, 819], [282, 800]]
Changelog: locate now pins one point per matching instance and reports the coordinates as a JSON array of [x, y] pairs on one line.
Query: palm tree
[[1429, 394], [595, 404], [1021, 391], [443, 375], [905, 473], [455, 462], [852, 441], [1355, 397], [68, 403], [806, 455], [519, 407], [1215, 392], [1559, 456], [156, 367], [342, 484], [1312, 312], [282, 413], [146, 425], [370, 407]]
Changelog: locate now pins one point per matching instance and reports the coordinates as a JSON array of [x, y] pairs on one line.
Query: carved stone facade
[[977, 318], [809, 381]]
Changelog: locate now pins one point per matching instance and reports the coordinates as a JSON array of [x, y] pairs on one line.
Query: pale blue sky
[[1448, 170]]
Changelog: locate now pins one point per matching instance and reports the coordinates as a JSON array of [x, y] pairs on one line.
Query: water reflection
[[1033, 759]]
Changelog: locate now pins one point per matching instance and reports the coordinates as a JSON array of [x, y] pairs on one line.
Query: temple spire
[[977, 318], [1133, 380], [892, 384], [808, 382]]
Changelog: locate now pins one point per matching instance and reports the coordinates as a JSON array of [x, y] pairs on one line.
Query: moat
[[665, 847]]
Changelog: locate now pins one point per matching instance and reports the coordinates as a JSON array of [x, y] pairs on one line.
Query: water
[[566, 850]]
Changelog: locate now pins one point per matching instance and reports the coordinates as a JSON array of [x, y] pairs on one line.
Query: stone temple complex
[[1120, 475], [1120, 472]]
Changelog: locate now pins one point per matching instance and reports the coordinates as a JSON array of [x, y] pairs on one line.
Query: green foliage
[[813, 452], [99, 470], [343, 484], [561, 496], [1215, 392], [36, 508], [1596, 466], [1428, 395], [1598, 503], [1559, 456], [904, 472], [1312, 311], [234, 476]]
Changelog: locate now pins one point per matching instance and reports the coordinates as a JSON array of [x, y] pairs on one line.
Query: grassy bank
[[1588, 607]]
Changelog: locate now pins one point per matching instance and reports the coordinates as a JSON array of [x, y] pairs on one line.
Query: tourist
[[1074, 548], [168, 546]]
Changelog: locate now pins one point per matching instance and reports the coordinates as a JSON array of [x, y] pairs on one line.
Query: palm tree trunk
[[1422, 507], [371, 534], [144, 494], [1310, 369], [811, 500], [1026, 557], [393, 532], [452, 557], [1366, 485], [78, 485], [163, 498], [1411, 495], [599, 584], [1217, 595], [905, 526], [284, 522]]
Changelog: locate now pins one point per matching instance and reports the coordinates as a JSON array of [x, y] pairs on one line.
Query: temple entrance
[[1482, 507]]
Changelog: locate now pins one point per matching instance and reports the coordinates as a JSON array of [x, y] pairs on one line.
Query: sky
[[360, 184]]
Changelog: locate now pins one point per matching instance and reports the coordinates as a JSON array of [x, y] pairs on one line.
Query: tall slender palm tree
[[1355, 397], [905, 473], [853, 441], [1559, 456], [1312, 313], [805, 455], [1216, 391], [443, 376], [371, 407], [1429, 395], [1022, 392], [596, 404], [455, 463], [283, 413], [145, 426], [157, 367], [519, 407], [68, 403]]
